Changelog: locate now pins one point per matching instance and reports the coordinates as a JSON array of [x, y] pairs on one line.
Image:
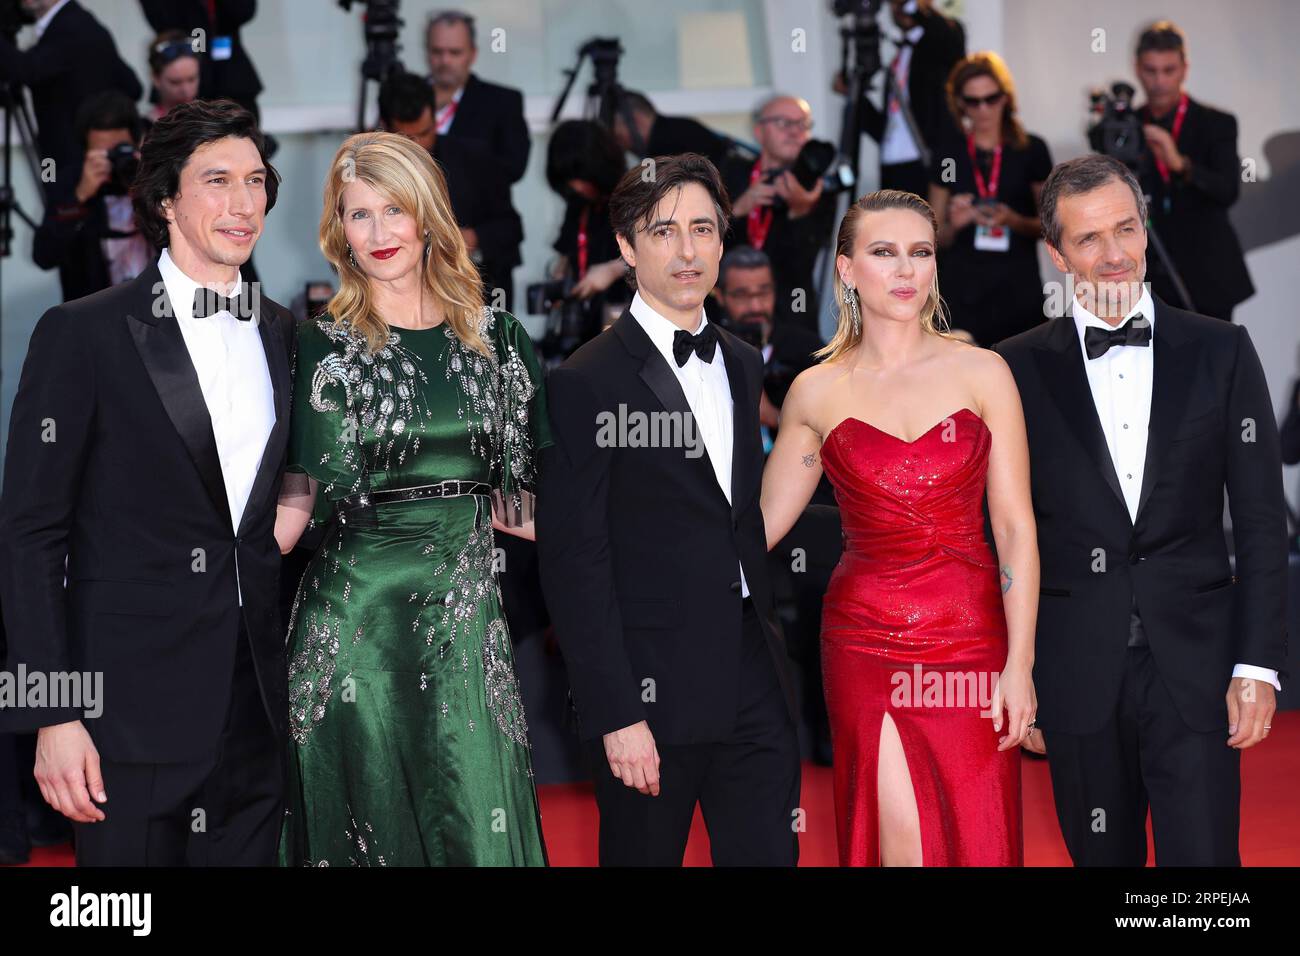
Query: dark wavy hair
[[583, 149], [403, 97], [107, 109], [168, 146], [635, 199]]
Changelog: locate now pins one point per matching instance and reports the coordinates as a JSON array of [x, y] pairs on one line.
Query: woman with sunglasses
[[984, 190], [174, 67]]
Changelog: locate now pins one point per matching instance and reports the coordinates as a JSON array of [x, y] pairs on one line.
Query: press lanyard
[[582, 242], [991, 190], [1179, 116], [760, 217]]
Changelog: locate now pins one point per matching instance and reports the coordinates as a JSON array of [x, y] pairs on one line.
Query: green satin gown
[[408, 739]]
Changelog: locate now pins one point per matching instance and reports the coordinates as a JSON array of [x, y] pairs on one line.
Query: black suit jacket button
[[734, 585], [1134, 558]]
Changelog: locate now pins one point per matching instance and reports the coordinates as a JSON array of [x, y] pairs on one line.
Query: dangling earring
[[428, 247], [352, 259], [851, 300]]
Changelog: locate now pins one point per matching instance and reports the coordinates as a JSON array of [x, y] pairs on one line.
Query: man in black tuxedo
[[479, 193], [73, 57], [914, 115], [1139, 416], [471, 108], [653, 553], [1192, 172], [775, 212], [145, 449]]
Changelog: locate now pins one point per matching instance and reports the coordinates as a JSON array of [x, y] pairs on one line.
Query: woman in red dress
[[927, 643]]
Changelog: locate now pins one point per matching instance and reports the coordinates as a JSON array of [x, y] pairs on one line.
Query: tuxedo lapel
[[1173, 362], [158, 339], [271, 330], [659, 378], [1063, 375]]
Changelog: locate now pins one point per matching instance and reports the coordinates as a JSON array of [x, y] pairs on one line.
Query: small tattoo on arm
[[1006, 578], [809, 460]]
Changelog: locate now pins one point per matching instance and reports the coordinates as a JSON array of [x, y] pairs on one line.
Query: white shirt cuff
[[1259, 673]]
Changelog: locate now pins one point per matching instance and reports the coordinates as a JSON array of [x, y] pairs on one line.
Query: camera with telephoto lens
[[1116, 129], [815, 159], [124, 163], [569, 321]]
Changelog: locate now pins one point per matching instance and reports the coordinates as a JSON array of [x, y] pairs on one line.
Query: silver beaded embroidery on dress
[[381, 398]]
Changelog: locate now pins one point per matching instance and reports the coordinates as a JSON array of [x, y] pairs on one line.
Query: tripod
[[14, 108], [605, 97]]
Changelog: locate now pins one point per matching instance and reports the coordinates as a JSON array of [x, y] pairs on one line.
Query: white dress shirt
[[444, 116], [236, 381], [1120, 381], [898, 145], [43, 23], [708, 393]]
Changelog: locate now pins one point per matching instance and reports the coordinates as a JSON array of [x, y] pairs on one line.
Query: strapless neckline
[[904, 441]]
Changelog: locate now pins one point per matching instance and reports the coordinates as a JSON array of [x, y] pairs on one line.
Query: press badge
[[220, 48], [992, 238]]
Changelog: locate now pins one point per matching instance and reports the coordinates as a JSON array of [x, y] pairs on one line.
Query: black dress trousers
[[224, 811], [747, 785]]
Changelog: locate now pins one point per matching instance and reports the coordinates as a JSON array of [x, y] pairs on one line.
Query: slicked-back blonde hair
[[934, 317], [404, 173]]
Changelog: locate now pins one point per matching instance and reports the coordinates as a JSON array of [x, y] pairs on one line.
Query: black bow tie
[[1136, 331], [207, 302], [702, 345]]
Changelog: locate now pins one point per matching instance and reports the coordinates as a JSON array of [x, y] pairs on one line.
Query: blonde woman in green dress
[[417, 415]]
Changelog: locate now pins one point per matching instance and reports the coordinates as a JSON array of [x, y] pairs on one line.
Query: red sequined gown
[[913, 626]]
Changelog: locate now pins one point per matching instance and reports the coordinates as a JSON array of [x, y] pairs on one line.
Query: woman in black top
[[984, 189]]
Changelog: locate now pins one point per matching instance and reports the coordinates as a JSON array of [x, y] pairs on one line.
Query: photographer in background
[[175, 69], [773, 211], [479, 193], [73, 57], [914, 117], [92, 237], [583, 165], [666, 135], [1192, 172]]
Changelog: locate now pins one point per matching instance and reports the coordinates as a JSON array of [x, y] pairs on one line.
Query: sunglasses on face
[[992, 99], [169, 51]]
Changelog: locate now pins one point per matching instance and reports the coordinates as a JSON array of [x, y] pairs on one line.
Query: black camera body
[[813, 162], [1117, 132], [125, 163]]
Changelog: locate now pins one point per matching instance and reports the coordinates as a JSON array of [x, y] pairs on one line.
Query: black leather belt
[[364, 500]]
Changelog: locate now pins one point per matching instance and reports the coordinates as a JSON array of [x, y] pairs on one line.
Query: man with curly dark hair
[[146, 444]]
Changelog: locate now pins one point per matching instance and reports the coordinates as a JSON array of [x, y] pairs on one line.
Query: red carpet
[[1270, 825]]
